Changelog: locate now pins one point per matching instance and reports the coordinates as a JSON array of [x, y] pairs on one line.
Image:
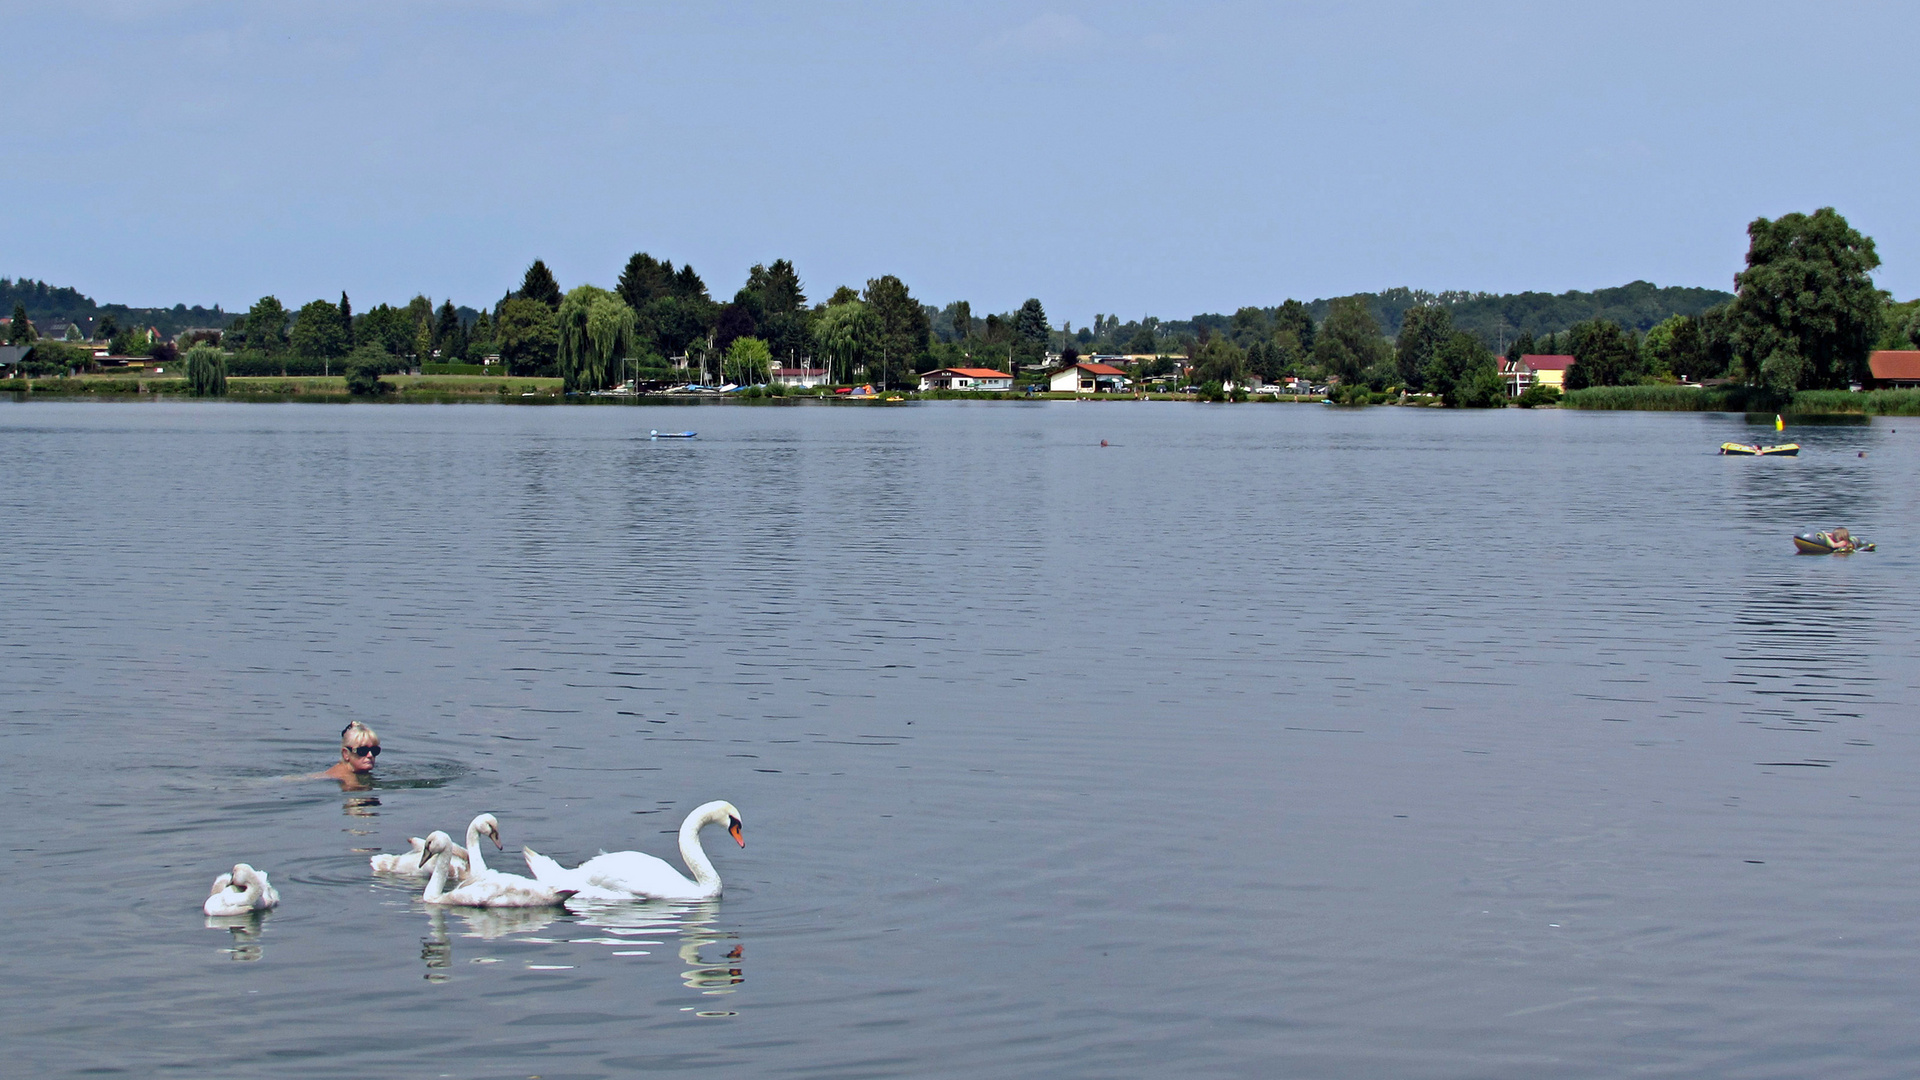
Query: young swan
[[414, 863], [483, 887], [239, 891], [634, 875]]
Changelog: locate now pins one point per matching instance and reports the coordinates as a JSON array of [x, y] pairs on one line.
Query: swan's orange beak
[[733, 830]]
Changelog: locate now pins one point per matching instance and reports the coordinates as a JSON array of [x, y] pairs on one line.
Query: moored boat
[[671, 434]]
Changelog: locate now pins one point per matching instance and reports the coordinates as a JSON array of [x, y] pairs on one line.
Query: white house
[[966, 378], [1088, 378], [799, 376]]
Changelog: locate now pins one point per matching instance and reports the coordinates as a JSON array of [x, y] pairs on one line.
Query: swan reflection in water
[[693, 923], [487, 924], [245, 932], [629, 929]]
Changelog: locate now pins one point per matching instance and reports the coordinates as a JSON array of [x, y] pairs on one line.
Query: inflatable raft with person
[[1829, 542]]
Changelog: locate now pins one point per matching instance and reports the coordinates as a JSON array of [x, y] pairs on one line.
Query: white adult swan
[[414, 863], [634, 875], [483, 887], [239, 891]]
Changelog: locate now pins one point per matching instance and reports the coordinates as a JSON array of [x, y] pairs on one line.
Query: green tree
[[1143, 343], [20, 331], [267, 326], [107, 328], [318, 333], [1249, 326], [388, 328], [527, 336], [644, 280], [346, 318], [539, 285], [1349, 345], [1219, 360], [595, 330], [962, 320], [1604, 354], [1463, 371], [904, 327], [747, 362], [1805, 312], [1295, 318], [1030, 333], [449, 333], [847, 336], [207, 371], [363, 367], [1423, 330], [480, 339]]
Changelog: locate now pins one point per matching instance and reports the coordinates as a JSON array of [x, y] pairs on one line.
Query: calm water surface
[[1264, 741]]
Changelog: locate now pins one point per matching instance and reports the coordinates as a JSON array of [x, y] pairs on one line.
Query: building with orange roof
[[1894, 367], [966, 378]]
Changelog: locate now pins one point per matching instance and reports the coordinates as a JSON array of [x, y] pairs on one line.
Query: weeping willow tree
[[596, 331], [207, 371]]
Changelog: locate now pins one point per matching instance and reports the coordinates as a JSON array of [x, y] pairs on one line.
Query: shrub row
[[1872, 403]]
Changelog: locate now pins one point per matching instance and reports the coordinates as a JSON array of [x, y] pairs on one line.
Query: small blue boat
[[671, 434]]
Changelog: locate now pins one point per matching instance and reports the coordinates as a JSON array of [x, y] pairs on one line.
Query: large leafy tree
[[748, 361], [267, 325], [1220, 360], [905, 329], [449, 333], [1349, 345], [1296, 319], [595, 331], [1604, 354], [1805, 313], [670, 308], [1423, 330], [386, 327], [318, 331], [538, 284], [206, 371], [1463, 371], [962, 320], [847, 336], [527, 336], [774, 302]]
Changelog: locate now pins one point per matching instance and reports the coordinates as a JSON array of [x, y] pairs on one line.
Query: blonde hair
[[357, 734]]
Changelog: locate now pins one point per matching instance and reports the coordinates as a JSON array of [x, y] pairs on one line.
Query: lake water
[[1261, 741]]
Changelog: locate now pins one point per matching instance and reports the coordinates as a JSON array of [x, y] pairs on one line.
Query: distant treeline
[[659, 322], [46, 303]]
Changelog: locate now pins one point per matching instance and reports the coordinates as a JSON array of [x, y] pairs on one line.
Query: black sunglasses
[[365, 751]]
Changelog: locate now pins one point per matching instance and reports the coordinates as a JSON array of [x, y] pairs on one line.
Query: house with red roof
[[1535, 369], [1088, 378], [966, 378], [1894, 367]]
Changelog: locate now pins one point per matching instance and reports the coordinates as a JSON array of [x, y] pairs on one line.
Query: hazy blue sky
[[1126, 157]]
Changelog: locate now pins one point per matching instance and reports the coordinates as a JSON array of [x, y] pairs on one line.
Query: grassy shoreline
[[1744, 399], [455, 389]]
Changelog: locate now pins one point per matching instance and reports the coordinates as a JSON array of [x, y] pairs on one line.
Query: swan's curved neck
[[476, 863], [704, 874], [437, 884], [251, 890]]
